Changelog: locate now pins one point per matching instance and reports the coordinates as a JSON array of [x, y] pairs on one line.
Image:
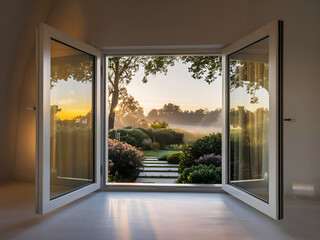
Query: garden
[[159, 155]]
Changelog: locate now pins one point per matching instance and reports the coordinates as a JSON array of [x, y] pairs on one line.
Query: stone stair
[[157, 171]]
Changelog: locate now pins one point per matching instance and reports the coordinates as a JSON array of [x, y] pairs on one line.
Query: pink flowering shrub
[[126, 161], [209, 159]]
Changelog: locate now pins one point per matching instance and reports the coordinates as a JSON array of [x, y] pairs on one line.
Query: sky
[[177, 87], [74, 98]]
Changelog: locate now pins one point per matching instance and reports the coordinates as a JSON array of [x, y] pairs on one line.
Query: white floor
[[135, 215]]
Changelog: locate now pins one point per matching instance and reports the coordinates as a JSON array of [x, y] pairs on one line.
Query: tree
[[207, 67], [121, 71], [251, 75], [169, 109], [159, 125]]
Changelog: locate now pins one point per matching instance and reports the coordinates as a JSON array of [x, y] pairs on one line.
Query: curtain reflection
[[249, 119]]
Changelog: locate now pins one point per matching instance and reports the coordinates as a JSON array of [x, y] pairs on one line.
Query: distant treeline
[[174, 115]]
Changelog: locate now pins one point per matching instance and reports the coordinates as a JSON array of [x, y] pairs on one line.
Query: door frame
[[43, 203], [273, 208]]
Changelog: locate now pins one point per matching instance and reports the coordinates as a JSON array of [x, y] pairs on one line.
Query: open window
[[71, 121], [252, 119], [68, 119]]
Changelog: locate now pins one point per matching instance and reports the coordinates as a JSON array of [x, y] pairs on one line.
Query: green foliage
[[202, 146], [129, 139], [147, 144], [126, 161], [174, 158], [164, 156], [167, 137], [159, 125], [201, 174], [132, 132], [174, 147], [149, 132], [156, 146], [209, 67]]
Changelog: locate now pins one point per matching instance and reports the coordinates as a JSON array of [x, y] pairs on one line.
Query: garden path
[[156, 171]]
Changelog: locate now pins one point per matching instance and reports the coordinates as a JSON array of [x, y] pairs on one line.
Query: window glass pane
[[71, 119], [249, 119]]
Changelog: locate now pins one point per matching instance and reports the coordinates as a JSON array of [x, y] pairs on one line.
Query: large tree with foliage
[[121, 72]]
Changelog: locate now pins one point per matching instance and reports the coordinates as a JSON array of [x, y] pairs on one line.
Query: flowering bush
[[125, 161], [200, 147], [209, 159]]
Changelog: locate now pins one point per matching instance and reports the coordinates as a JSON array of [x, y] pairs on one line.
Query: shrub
[[127, 161], [132, 132], [201, 174], [163, 137], [209, 159], [173, 147], [138, 135], [167, 137], [147, 144], [156, 146], [163, 156], [174, 158], [149, 132], [202, 146], [129, 139]]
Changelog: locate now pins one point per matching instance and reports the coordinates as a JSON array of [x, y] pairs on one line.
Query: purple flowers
[[209, 159]]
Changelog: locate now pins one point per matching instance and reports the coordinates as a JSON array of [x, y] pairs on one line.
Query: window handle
[[31, 108], [289, 120]]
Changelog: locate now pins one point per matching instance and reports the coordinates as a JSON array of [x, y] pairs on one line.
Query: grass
[[158, 153]]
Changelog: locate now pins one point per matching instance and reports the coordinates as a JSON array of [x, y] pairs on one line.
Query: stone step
[[160, 165], [158, 174], [155, 180], [163, 166], [160, 169], [151, 162]]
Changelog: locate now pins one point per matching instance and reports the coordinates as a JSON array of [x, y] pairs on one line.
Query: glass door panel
[[249, 119], [252, 132], [68, 119], [71, 119]]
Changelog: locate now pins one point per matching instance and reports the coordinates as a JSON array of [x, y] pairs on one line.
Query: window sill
[[147, 187]]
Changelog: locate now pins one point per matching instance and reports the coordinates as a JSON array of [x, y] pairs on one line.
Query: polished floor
[[136, 215]]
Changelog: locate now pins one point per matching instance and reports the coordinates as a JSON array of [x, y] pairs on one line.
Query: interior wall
[[14, 19], [68, 17]]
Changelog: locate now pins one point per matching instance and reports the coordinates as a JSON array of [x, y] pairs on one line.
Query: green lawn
[[158, 153]]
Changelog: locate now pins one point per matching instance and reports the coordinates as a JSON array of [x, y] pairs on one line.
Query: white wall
[[186, 22]]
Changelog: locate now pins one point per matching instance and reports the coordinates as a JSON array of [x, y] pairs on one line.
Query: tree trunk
[[115, 97]]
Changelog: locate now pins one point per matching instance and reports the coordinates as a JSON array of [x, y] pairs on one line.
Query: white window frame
[[271, 208], [43, 203], [178, 50]]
